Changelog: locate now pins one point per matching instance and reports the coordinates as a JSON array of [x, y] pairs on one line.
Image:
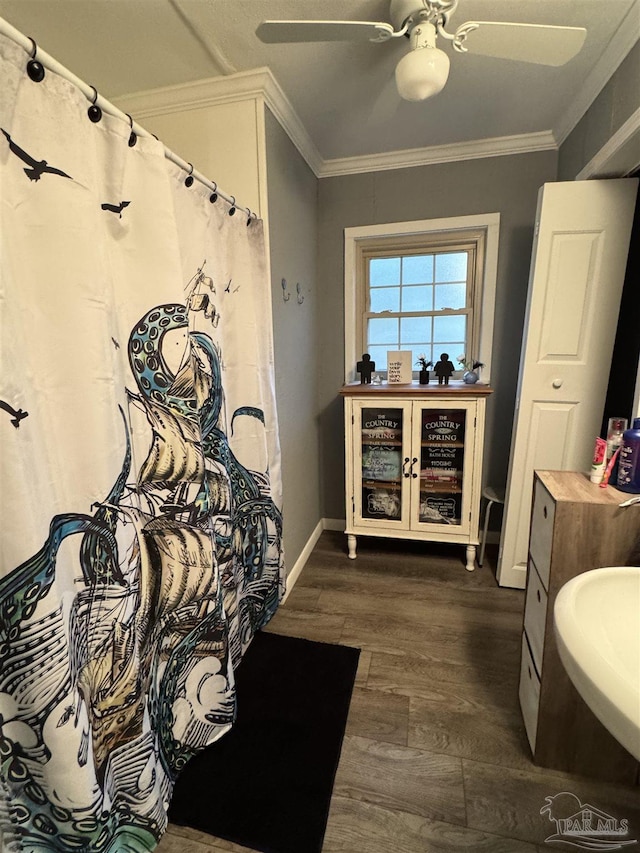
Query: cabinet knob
[[557, 383]]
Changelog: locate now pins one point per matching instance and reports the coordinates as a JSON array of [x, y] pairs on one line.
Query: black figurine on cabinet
[[443, 369], [365, 368]]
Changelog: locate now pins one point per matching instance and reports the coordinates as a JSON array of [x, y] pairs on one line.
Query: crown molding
[[198, 94], [261, 84], [282, 109], [619, 156], [257, 84], [614, 54], [473, 150]]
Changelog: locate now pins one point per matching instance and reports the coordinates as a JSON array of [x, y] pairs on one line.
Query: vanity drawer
[[542, 518], [529, 693], [535, 615]]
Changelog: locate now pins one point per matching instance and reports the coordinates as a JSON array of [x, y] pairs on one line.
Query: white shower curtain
[[140, 476]]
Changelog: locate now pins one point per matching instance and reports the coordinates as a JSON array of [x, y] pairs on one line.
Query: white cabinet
[[414, 462], [575, 526]]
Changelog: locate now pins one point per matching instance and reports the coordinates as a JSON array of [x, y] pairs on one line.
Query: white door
[[575, 284]]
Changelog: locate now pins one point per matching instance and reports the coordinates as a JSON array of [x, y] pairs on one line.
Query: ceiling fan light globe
[[421, 74]]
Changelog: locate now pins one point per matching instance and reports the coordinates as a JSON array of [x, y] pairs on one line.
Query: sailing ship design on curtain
[[140, 466], [155, 608]]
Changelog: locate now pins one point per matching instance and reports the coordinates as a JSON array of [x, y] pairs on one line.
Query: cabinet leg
[[351, 545], [471, 558]]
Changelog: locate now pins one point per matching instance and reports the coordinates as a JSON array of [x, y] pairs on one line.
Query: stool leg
[[484, 532]]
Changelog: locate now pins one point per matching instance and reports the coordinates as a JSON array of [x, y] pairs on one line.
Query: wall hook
[[300, 297], [285, 296]]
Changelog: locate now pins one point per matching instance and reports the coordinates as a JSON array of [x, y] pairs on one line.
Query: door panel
[[443, 437], [575, 283], [569, 298], [382, 436]]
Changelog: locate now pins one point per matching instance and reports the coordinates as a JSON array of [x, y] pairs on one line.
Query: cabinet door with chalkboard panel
[[381, 433], [442, 435]]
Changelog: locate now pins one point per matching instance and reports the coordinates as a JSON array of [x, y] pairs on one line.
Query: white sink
[[597, 626]]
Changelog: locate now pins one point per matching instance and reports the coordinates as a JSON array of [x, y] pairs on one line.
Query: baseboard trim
[[300, 563], [339, 524], [334, 524]]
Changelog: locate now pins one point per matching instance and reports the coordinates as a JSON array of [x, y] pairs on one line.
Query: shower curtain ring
[[188, 181], [232, 209], [132, 136], [35, 69], [213, 198], [94, 112], [249, 216]]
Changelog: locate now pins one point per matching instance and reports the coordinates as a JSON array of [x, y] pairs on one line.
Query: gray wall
[[293, 236], [507, 185], [614, 105]]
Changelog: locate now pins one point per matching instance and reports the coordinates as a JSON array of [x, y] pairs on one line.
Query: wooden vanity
[[576, 526]]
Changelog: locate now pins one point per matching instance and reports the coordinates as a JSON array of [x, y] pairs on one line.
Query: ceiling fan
[[423, 71]]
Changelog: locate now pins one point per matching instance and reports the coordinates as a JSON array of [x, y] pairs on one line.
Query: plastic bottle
[[629, 461], [615, 431]]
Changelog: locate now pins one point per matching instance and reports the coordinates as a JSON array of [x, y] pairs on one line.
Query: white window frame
[[355, 237]]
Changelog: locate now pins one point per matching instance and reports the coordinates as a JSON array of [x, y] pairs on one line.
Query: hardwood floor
[[435, 757]]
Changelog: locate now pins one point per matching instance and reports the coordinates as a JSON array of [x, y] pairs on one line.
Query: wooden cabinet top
[[432, 391], [576, 487]]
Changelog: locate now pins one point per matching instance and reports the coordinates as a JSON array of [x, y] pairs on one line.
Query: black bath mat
[[267, 784]]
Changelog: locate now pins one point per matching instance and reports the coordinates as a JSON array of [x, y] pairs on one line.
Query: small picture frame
[[399, 367]]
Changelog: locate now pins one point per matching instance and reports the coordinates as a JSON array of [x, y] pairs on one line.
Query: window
[[427, 287]]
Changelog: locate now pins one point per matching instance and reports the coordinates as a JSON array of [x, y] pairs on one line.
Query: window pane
[[384, 271], [383, 331], [417, 298], [427, 351], [415, 330], [379, 357], [385, 299], [452, 350], [450, 296], [450, 329], [417, 269], [451, 267]]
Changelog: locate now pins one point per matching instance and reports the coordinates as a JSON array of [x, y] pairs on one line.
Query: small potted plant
[[424, 368], [471, 369]]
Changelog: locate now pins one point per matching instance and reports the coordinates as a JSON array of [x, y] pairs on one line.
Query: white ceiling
[[342, 93]]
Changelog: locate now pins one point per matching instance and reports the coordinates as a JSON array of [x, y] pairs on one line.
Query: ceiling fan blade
[[538, 43], [295, 31]]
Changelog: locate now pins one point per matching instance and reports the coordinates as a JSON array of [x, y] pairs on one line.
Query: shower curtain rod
[[94, 97]]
